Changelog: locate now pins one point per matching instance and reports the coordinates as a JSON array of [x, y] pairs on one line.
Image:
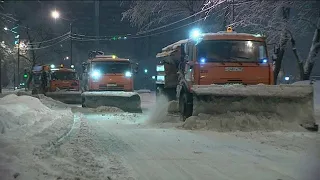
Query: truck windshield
[[231, 51], [109, 67], [63, 75]]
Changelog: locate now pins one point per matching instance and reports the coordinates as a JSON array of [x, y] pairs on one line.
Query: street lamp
[[55, 14], [5, 28], [146, 71]]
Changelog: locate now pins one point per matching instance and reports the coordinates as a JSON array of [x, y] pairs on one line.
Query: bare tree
[[274, 19], [147, 14], [306, 65]]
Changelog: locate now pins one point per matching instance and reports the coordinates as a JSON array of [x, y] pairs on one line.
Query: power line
[[99, 36], [64, 39], [40, 42], [144, 32], [141, 36]]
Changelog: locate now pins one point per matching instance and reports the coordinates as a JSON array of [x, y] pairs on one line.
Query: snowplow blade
[[127, 101], [291, 103], [68, 97]]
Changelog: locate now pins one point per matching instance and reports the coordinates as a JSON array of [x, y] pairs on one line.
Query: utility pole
[[71, 63], [18, 59], [96, 10]]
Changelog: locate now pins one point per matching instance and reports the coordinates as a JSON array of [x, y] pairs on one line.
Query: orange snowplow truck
[[214, 73], [108, 81], [64, 79]]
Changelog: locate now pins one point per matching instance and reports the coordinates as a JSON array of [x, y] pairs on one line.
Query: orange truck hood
[[219, 73]]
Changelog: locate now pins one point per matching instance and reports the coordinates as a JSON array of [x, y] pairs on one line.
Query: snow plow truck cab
[[108, 81], [60, 84], [216, 73], [64, 79]]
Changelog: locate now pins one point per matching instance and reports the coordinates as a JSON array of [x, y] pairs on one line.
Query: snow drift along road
[[28, 129]]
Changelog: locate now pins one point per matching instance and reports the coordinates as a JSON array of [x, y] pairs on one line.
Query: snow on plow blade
[[291, 103], [69, 97], [127, 101]]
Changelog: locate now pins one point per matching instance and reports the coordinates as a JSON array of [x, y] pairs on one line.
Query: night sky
[[142, 50]]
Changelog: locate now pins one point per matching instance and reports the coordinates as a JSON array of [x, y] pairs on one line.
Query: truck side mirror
[[183, 53], [84, 66], [135, 67]]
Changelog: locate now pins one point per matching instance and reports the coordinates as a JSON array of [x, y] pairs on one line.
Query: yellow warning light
[[114, 56], [229, 29], [61, 65]]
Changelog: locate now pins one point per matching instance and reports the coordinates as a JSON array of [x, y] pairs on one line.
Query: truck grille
[[111, 88]]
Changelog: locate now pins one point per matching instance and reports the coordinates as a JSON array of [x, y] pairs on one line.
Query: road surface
[[123, 146]]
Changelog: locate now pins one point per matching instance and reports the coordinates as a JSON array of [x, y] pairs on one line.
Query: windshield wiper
[[235, 58]]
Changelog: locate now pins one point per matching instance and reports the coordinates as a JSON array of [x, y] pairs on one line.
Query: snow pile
[[173, 107], [20, 110], [233, 121], [107, 109], [51, 103], [28, 130]]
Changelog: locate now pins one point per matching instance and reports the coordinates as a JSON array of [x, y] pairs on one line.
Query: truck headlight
[[96, 74], [128, 74]]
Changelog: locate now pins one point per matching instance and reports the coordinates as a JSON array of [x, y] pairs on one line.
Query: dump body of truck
[[108, 81], [229, 71]]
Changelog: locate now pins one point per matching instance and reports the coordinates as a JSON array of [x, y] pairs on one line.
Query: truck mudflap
[[291, 103], [68, 97], [127, 101]]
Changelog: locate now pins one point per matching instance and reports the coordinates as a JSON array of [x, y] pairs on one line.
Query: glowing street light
[[67, 57], [55, 14], [5, 28], [145, 70], [287, 78]]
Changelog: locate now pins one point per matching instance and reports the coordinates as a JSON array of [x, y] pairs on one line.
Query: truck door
[[189, 63]]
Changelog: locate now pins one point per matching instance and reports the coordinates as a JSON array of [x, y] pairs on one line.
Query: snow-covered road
[[127, 146], [146, 152]]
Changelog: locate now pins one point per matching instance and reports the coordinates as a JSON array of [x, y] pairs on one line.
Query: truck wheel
[[185, 106], [82, 102]]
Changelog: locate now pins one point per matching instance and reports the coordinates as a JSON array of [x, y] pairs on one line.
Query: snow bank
[[234, 121], [20, 110], [28, 129]]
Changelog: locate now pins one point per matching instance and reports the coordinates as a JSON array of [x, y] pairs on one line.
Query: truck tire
[[82, 102], [185, 106]]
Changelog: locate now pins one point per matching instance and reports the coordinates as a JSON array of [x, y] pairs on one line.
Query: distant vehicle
[[64, 79], [58, 83]]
